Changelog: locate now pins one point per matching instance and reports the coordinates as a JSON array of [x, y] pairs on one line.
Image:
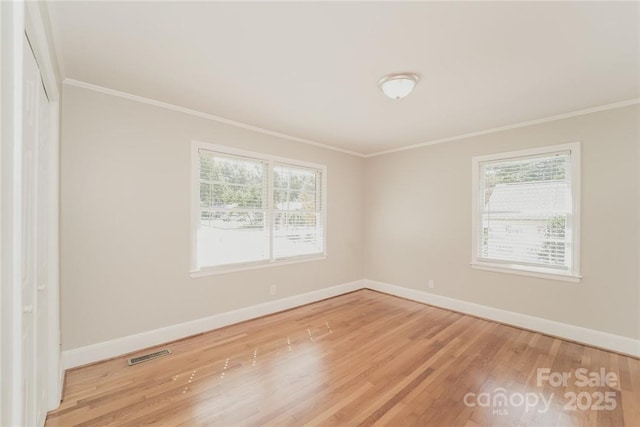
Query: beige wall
[[400, 218], [418, 223], [125, 215]]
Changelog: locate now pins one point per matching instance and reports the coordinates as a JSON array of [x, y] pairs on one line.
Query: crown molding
[[508, 127], [173, 107]]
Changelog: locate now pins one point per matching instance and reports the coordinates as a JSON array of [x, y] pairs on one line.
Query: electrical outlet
[[273, 289], [431, 284]]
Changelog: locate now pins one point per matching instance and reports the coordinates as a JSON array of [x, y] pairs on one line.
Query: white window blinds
[[525, 212], [233, 210]]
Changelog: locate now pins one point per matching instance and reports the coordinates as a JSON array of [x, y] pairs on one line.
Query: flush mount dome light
[[398, 86]]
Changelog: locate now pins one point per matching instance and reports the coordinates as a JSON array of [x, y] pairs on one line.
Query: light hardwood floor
[[363, 358]]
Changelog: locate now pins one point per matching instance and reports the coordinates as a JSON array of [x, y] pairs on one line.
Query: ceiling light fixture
[[398, 86]]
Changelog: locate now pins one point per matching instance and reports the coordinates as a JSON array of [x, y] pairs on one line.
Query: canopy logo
[[500, 401]]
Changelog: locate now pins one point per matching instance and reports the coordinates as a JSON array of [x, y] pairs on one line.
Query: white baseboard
[[108, 349], [592, 337], [105, 350]]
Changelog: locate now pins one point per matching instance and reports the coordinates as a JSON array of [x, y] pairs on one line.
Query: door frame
[[11, 50]]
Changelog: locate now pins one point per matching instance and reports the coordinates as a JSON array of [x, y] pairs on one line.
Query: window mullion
[[270, 208]]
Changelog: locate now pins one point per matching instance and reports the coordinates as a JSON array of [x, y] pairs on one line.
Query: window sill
[[213, 271], [540, 273]]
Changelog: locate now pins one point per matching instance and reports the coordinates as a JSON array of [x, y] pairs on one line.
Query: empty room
[[320, 213]]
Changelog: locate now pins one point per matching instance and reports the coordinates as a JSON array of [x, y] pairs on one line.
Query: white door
[[42, 243], [29, 231], [35, 165]]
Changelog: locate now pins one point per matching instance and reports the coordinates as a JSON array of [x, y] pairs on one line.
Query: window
[[526, 207], [252, 210]]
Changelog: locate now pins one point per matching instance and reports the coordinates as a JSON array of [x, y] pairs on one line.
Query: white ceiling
[[310, 70]]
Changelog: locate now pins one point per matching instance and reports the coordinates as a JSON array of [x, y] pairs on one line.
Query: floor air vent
[[146, 357]]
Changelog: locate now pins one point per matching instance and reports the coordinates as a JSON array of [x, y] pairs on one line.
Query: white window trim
[[196, 146], [573, 274]]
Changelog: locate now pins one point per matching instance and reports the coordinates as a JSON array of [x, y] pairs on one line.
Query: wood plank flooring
[[363, 358]]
